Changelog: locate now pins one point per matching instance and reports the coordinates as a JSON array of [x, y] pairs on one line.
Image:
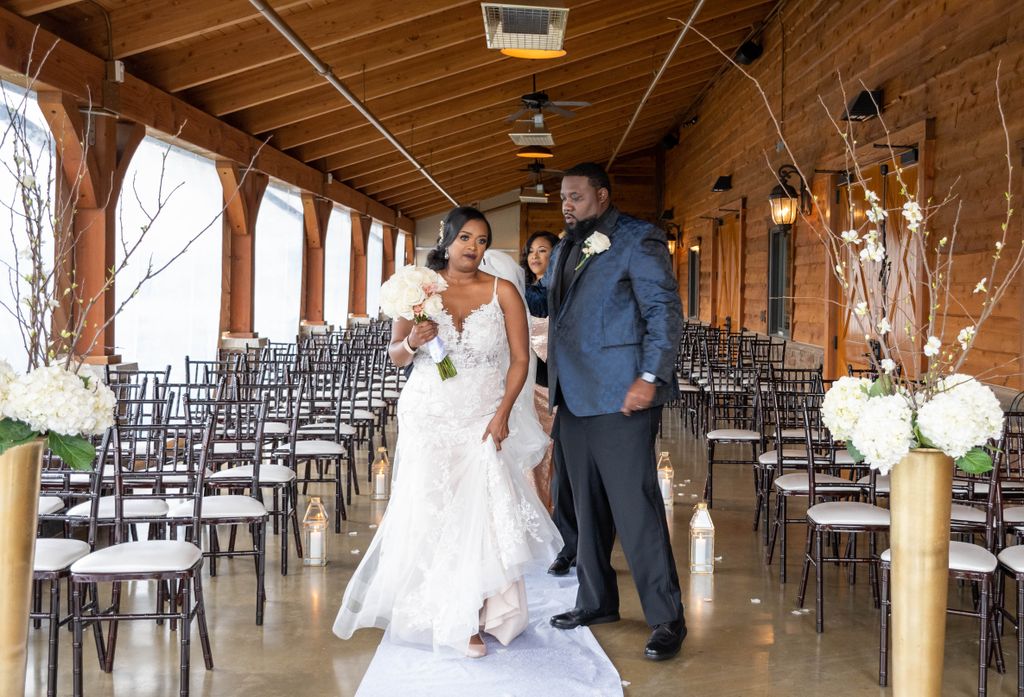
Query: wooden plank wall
[[935, 60]]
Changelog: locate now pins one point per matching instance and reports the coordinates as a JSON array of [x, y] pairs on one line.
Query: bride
[[447, 561]]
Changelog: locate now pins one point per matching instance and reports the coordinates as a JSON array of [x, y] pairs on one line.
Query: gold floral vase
[[19, 508], [919, 538]]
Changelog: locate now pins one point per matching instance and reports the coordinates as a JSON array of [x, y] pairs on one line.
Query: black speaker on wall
[[748, 52], [670, 140]]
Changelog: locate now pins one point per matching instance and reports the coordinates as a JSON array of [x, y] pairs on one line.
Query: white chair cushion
[[881, 482], [54, 554], [223, 448], [387, 394], [792, 456], [848, 513], [269, 474], [327, 429], [733, 434], [133, 508], [149, 556], [316, 448], [1013, 515], [963, 556], [275, 428], [50, 504], [683, 387], [374, 403], [1013, 558], [230, 506], [966, 514], [796, 483]]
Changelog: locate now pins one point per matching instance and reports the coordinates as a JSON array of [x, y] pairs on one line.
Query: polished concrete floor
[[746, 637]]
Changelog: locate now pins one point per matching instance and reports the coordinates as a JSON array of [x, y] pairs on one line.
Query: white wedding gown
[[463, 520]]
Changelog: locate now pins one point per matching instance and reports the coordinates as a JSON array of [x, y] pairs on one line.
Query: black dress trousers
[[612, 468]]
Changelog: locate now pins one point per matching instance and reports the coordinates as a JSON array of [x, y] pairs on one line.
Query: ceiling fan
[[535, 192], [539, 102]]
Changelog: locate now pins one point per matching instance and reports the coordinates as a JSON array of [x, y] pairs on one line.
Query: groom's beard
[[582, 229]]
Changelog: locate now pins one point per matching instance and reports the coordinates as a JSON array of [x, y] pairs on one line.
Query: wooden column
[[316, 212], [387, 267], [243, 193], [357, 269], [93, 151], [410, 248]]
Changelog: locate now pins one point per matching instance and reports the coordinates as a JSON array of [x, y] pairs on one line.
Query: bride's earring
[[446, 253]]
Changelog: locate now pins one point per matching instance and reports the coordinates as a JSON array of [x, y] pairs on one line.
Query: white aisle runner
[[541, 661]]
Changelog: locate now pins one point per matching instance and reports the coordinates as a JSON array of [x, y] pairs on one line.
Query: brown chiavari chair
[[176, 563], [734, 419]]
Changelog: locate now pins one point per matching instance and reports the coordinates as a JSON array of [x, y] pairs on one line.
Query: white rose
[[433, 306], [597, 243], [7, 376]]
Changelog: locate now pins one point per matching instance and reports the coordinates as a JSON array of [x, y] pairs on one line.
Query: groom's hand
[[638, 397]]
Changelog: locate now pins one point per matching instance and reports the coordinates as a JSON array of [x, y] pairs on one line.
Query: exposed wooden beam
[[438, 96], [428, 79], [79, 73], [144, 25], [237, 50], [29, 8], [378, 165]]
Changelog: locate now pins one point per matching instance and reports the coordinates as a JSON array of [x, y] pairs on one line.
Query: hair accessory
[[440, 232]]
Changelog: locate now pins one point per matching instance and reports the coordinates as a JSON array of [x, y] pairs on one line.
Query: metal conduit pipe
[[325, 71], [657, 76]]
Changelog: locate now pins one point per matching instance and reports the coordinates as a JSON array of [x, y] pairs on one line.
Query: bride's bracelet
[[408, 347]]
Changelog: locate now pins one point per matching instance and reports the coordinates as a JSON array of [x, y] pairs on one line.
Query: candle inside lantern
[[666, 478], [381, 470], [314, 526]]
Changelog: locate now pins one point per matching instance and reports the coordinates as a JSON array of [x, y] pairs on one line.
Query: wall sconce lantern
[[723, 183], [866, 105], [785, 201], [672, 230]]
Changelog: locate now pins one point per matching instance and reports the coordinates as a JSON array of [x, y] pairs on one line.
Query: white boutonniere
[[597, 243]]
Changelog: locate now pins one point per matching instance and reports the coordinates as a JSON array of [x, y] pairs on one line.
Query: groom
[[614, 329]]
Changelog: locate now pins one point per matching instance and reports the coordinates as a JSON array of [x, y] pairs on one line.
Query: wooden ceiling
[[422, 67]]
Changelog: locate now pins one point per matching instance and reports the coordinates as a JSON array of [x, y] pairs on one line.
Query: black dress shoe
[[560, 566], [665, 641], [582, 618]]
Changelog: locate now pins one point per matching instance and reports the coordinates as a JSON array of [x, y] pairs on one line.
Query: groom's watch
[[649, 377]]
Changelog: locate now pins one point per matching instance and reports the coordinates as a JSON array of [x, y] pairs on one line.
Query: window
[[693, 283], [177, 313], [374, 267], [779, 282], [279, 240], [337, 258]]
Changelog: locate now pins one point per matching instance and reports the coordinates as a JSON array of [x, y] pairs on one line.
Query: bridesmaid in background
[[534, 261]]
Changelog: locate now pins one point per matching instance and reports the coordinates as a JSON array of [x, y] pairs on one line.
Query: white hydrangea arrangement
[[414, 293], [55, 403]]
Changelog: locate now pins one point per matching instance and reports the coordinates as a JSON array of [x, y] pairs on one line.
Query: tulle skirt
[[462, 523]]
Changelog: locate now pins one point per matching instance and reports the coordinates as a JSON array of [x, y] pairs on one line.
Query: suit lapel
[[607, 226]]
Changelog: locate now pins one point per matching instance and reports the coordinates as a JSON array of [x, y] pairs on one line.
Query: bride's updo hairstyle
[[452, 223]]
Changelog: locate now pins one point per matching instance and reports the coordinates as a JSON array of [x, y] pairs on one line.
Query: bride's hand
[[422, 333], [497, 429]]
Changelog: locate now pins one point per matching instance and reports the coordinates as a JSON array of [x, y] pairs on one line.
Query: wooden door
[[729, 272], [882, 179]]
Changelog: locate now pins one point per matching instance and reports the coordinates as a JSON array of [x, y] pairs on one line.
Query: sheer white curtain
[[178, 312], [12, 228], [279, 233], [337, 261], [374, 263]]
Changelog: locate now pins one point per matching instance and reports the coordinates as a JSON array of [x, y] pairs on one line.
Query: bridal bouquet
[[53, 402], [414, 293]]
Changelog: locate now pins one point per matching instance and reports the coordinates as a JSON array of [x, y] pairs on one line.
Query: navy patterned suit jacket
[[621, 317]]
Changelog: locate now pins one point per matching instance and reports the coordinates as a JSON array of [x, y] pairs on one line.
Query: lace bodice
[[481, 344]]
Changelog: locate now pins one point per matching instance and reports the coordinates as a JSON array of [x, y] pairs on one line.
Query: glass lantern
[[666, 478], [702, 541], [381, 472], [314, 528]]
